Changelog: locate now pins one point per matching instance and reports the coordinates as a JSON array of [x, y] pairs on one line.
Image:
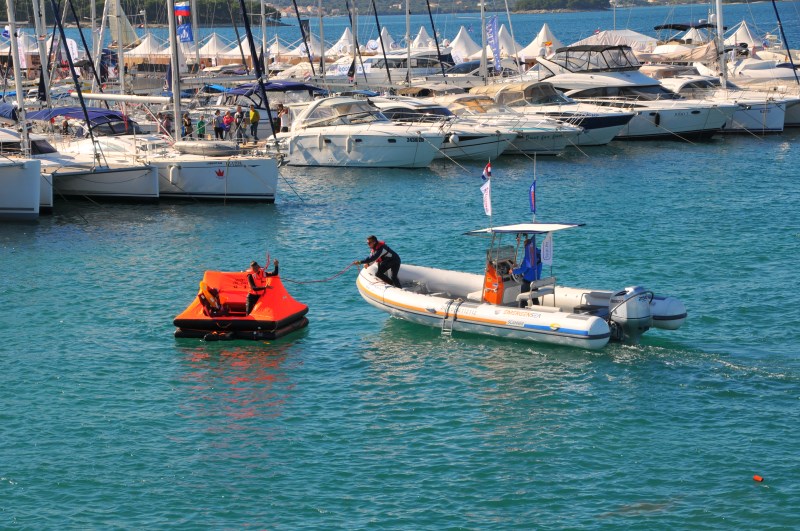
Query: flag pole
[[533, 189]]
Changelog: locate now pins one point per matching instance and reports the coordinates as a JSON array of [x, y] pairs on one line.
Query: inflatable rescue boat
[[218, 310], [494, 303]]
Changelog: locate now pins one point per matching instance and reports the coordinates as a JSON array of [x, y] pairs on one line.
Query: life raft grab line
[[340, 273]]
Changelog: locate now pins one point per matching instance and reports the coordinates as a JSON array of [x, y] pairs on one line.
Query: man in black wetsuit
[[257, 283], [386, 260]]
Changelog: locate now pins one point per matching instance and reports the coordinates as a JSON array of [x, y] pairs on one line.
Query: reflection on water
[[230, 384]]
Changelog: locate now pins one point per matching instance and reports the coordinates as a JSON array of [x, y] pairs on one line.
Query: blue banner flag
[[185, 33], [532, 194], [493, 40]]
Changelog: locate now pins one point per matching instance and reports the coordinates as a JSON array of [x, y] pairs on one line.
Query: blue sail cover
[[248, 89], [8, 111], [97, 115]]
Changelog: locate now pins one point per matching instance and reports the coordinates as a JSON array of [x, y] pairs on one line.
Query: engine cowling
[[630, 310]]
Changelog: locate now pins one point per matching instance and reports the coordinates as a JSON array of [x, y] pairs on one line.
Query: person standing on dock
[[257, 283], [254, 117], [219, 126], [386, 259], [238, 124]]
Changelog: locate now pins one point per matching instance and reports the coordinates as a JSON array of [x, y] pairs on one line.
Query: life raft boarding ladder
[[449, 319]]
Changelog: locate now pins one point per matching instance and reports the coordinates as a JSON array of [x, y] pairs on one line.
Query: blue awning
[[97, 115]]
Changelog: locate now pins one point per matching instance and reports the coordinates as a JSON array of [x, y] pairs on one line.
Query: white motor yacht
[[535, 134], [599, 125], [758, 112], [466, 138], [609, 75], [345, 131], [230, 177]]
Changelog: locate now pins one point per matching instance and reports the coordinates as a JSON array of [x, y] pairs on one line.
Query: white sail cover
[[463, 46], [149, 47], [637, 41], [128, 36], [539, 44], [680, 53], [343, 46], [743, 35]]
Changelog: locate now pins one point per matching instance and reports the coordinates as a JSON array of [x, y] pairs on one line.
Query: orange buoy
[[758, 478]]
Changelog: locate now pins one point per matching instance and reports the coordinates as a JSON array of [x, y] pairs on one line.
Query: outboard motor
[[629, 310]]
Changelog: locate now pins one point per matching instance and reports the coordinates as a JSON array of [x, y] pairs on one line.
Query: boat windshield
[[645, 93], [596, 58], [346, 113]]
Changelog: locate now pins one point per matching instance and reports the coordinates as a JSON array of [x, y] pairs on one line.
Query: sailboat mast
[[484, 69], [264, 34], [322, 42], [408, 41], [723, 59], [12, 26], [98, 43], [39, 24], [785, 42], [435, 37], [196, 35], [176, 72], [120, 53]]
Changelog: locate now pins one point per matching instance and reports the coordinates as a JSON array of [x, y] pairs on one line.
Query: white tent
[[463, 46], [388, 41], [422, 40], [149, 47], [539, 46], [300, 51], [27, 44], [276, 48], [215, 46], [343, 46], [508, 48], [743, 35], [637, 41], [696, 36]]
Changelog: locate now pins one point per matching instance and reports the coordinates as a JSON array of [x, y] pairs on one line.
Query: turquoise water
[[364, 421]]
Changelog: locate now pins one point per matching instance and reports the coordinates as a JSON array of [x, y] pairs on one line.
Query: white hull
[[453, 300], [478, 147], [234, 179], [45, 194], [757, 117], [329, 147], [131, 183], [594, 132], [659, 121], [19, 189], [542, 142]]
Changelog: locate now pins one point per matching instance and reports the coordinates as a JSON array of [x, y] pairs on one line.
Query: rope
[[340, 273]]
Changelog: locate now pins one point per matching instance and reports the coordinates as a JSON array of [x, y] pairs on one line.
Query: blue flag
[[185, 33], [532, 196], [493, 40]]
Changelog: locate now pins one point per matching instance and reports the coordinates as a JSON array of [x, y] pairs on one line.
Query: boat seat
[[475, 296], [539, 289], [590, 309]]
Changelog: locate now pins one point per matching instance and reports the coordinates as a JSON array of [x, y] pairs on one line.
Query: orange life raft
[[218, 310]]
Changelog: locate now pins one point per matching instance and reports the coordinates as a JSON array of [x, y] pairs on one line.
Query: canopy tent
[[72, 46], [696, 36], [637, 41], [388, 41], [343, 46], [423, 40], [149, 47], [214, 47], [300, 51], [276, 48], [508, 48], [463, 46], [743, 35], [544, 41], [27, 44]]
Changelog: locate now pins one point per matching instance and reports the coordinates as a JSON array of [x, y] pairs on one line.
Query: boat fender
[[454, 139], [320, 142], [173, 171], [349, 144], [658, 119]]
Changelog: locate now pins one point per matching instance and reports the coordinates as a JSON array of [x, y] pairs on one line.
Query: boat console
[[500, 287]]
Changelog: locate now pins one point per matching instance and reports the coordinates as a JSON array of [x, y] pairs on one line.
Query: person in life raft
[[386, 259], [257, 282], [530, 269]]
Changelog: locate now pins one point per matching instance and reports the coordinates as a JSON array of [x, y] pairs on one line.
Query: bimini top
[[525, 228]]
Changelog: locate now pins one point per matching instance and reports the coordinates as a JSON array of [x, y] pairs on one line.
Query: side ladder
[[449, 318]]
